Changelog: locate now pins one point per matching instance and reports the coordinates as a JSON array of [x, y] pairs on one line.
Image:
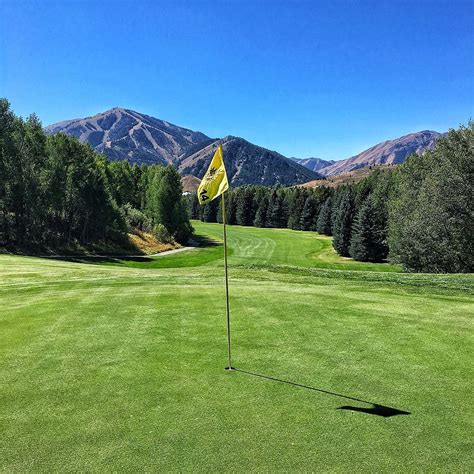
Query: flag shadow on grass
[[375, 409]]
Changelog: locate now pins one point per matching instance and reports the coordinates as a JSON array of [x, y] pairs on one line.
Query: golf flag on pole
[[215, 184], [215, 181]]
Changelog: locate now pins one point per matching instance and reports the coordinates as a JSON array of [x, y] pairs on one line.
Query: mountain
[[190, 183], [246, 163], [124, 134], [388, 152], [346, 178], [313, 164]]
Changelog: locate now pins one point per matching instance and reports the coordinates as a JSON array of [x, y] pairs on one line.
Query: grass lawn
[[118, 365]]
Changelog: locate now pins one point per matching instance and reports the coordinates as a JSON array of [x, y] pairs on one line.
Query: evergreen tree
[[274, 217], [284, 207], [262, 209], [431, 219], [295, 203], [323, 224], [343, 222], [308, 214], [231, 206], [368, 242], [209, 211], [244, 209], [336, 199]]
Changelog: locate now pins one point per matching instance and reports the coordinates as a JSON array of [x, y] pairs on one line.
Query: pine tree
[[209, 211], [274, 217], [308, 214], [284, 207], [231, 206], [343, 223], [367, 239], [244, 210], [323, 225], [295, 202], [260, 216], [431, 221]]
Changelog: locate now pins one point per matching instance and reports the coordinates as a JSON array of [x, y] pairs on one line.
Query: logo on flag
[[214, 182]]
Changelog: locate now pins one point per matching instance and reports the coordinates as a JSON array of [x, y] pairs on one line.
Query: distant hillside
[[345, 178], [124, 134], [247, 163], [190, 183], [388, 152], [313, 164]]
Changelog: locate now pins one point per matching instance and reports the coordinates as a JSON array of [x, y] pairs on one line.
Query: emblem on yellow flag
[[215, 181]]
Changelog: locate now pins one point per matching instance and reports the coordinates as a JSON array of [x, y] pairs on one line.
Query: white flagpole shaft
[[229, 359]]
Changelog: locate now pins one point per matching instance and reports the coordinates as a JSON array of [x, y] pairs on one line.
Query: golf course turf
[[118, 365]]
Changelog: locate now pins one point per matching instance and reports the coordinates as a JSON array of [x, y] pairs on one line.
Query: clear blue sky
[[305, 78]]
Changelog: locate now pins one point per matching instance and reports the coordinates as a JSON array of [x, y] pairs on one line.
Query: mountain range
[[124, 134]]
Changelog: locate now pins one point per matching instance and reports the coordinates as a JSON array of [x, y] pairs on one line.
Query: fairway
[[118, 365]]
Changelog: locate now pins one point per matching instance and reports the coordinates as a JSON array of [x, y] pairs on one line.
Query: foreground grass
[[117, 368]]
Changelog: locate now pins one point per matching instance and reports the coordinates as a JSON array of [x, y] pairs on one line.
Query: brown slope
[[390, 152], [190, 183], [313, 164], [123, 134], [345, 178]]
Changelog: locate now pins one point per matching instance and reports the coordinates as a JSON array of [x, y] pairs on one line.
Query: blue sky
[[305, 78]]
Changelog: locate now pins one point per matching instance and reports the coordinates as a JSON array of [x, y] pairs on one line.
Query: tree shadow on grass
[[204, 241], [375, 409], [198, 241], [102, 259]]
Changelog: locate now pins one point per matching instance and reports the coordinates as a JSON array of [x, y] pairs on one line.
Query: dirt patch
[[146, 243]]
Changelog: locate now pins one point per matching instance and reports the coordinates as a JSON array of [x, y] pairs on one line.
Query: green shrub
[[135, 219], [162, 234]]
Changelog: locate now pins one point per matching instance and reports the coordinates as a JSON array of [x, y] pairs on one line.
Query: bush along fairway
[[118, 365]]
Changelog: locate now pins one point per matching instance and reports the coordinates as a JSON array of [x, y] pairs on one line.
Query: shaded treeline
[[419, 214], [55, 191]]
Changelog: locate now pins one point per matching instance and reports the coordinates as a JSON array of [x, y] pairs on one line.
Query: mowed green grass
[[254, 246], [120, 367]]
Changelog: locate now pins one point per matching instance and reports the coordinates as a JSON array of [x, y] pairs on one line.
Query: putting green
[[119, 365]]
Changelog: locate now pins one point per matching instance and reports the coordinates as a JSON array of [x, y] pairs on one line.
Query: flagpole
[[229, 359]]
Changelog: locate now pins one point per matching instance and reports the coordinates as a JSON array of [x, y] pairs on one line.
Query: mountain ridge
[[313, 163], [390, 152], [246, 163], [122, 133]]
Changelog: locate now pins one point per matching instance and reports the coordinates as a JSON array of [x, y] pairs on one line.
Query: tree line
[[56, 191], [419, 214]]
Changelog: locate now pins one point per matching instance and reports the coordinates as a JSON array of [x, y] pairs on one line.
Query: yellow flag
[[215, 181]]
